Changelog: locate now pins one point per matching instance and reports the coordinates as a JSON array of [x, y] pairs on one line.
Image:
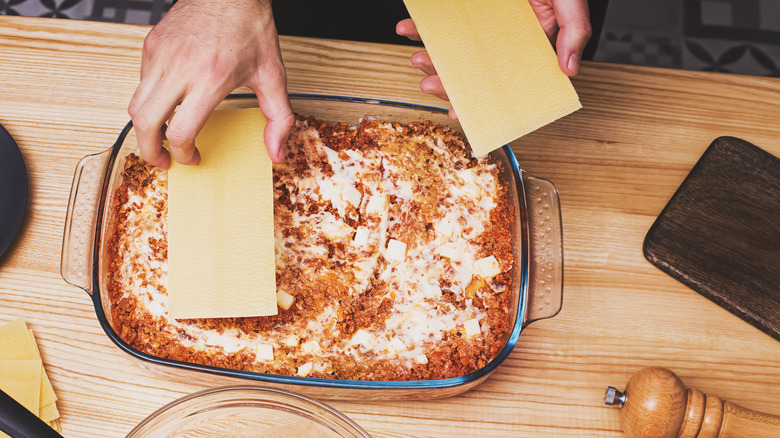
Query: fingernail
[[573, 63], [428, 83], [165, 161]]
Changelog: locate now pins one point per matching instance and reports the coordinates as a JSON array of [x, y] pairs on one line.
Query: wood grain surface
[[64, 89], [720, 232]]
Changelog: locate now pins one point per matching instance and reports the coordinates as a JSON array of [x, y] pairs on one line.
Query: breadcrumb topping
[[393, 260]]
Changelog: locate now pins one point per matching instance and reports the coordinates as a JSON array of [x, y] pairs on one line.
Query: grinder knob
[[656, 404]]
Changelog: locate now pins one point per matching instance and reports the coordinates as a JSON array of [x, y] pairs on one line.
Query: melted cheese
[[347, 214]]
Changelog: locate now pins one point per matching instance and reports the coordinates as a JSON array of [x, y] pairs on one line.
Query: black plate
[[13, 189]]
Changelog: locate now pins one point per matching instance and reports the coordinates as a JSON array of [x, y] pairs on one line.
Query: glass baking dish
[[537, 246]]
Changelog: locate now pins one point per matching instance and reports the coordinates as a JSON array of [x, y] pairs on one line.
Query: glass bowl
[[245, 412]]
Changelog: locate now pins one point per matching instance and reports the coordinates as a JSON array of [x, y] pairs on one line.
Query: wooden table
[[64, 89]]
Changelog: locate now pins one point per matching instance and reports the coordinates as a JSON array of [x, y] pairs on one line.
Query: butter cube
[[376, 204], [472, 328], [445, 227], [487, 267], [361, 337], [361, 236], [264, 352], [351, 194], [284, 300], [305, 369], [310, 347], [396, 250], [292, 341], [448, 250]]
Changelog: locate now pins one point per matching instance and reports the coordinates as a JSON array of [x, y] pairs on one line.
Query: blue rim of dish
[[434, 384], [13, 201]]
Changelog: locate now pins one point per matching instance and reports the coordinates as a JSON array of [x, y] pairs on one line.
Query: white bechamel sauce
[[415, 277]]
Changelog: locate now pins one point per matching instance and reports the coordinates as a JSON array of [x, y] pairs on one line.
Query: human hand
[[566, 22], [198, 53], [431, 83]]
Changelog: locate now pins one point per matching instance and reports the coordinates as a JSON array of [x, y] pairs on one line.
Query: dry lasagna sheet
[[393, 260]]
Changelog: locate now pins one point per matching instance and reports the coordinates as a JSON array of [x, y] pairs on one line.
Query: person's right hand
[[565, 22], [198, 53]]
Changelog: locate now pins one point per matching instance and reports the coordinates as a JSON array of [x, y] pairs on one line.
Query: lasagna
[[393, 260]]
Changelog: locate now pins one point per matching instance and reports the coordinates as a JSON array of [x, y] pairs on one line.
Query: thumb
[[575, 31]]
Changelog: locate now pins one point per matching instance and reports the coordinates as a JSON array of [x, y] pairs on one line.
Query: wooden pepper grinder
[[656, 404]]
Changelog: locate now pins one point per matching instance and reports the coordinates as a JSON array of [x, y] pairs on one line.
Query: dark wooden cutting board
[[720, 232]]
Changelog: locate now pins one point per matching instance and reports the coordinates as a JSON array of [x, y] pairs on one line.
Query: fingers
[[142, 93], [271, 91], [407, 28], [423, 61], [574, 23], [188, 121], [149, 115], [277, 131], [192, 60], [432, 85]]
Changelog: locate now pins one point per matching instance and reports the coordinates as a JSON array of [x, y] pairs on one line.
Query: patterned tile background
[[737, 36], [122, 11]]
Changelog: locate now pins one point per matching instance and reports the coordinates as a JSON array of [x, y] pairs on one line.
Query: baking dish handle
[[78, 243], [545, 273]]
